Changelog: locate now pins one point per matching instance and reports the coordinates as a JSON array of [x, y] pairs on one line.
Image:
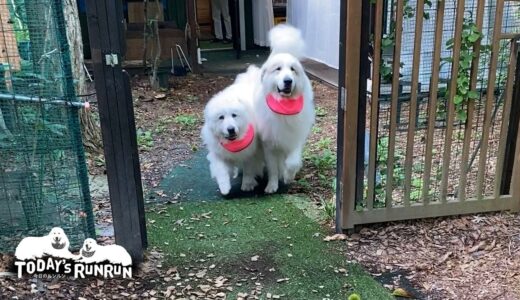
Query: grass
[[281, 230], [188, 121], [144, 139]]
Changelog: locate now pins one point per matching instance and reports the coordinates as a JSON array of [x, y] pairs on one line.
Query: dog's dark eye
[[279, 69], [221, 117], [292, 69], [234, 115]]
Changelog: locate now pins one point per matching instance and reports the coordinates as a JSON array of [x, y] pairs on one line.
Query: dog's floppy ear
[[263, 74]]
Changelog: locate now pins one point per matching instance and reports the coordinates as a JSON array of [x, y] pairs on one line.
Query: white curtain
[[263, 21], [319, 22]]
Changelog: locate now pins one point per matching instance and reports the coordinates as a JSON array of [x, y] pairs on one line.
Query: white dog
[[91, 252], [55, 244], [229, 133], [284, 106]]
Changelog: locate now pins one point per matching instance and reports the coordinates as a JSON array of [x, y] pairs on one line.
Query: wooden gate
[[427, 124]]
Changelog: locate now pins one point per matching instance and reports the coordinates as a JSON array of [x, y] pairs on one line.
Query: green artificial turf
[[258, 241]]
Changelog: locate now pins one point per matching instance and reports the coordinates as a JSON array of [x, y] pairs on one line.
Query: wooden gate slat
[[374, 110], [505, 117], [497, 31], [464, 168], [350, 116], [395, 95], [451, 106], [413, 100], [432, 104]]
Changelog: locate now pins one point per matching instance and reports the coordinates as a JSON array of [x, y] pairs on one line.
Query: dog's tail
[[285, 38], [251, 75]]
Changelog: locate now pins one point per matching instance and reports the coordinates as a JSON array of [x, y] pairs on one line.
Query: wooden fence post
[[108, 47], [354, 70]]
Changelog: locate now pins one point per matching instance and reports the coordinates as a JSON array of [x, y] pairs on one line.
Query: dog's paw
[[224, 189], [248, 184], [288, 176], [271, 187]]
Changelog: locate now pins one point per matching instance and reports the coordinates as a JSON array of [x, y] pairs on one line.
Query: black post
[[193, 40], [514, 123], [364, 74], [108, 47], [341, 114]]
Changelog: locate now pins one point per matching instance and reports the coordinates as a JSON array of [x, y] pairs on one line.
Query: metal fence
[[441, 121]]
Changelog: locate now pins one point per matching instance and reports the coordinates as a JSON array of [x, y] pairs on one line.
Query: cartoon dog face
[[89, 248], [58, 238]]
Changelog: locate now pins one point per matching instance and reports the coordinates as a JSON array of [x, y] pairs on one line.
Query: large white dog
[[284, 106], [55, 244], [229, 133], [91, 252]]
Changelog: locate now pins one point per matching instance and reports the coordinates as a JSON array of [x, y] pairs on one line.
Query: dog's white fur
[[283, 137], [38, 247], [114, 254], [232, 107]]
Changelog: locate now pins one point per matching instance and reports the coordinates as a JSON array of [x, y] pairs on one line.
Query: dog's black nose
[[287, 81], [231, 130]]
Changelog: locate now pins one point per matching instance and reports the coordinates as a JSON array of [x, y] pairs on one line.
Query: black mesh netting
[[43, 175]]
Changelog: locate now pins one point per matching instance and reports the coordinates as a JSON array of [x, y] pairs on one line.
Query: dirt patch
[[468, 257], [258, 267]]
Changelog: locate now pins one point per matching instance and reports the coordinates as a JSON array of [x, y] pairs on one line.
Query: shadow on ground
[[191, 181]]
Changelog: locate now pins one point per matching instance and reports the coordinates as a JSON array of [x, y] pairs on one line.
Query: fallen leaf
[[201, 274], [444, 258], [400, 292], [54, 286], [160, 96], [477, 247], [335, 237]]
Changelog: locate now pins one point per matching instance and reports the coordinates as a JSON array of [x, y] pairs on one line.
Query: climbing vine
[[463, 93]]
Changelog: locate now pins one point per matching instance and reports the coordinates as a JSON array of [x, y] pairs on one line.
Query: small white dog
[[284, 106], [55, 244], [229, 133], [91, 252]]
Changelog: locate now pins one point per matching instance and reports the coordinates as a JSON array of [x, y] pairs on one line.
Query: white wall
[[319, 22]]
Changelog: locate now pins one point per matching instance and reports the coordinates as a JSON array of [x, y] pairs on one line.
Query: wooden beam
[[433, 210], [490, 98], [106, 32]]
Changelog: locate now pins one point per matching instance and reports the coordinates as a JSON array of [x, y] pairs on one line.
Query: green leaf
[[474, 37], [473, 95], [458, 99], [462, 115], [387, 42], [464, 64]]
